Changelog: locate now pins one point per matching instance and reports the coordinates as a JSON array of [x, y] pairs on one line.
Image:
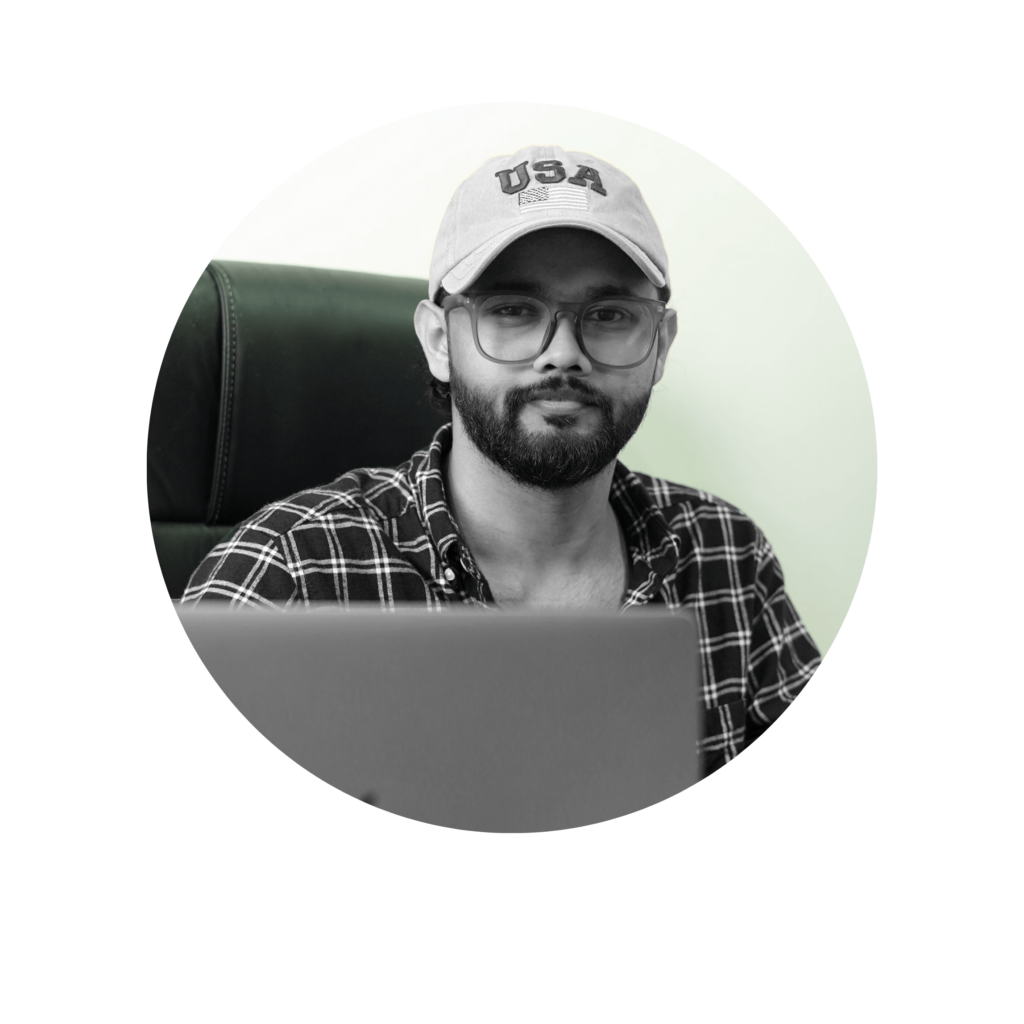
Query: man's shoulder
[[669, 498], [704, 518], [367, 496]]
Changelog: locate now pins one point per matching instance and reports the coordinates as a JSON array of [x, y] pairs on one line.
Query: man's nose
[[564, 352]]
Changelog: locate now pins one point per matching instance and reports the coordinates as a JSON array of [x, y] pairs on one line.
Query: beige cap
[[541, 187]]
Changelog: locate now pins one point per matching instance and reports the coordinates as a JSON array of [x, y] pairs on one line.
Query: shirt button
[[449, 574]]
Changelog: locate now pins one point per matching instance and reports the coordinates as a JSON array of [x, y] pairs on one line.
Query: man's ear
[[433, 334], [666, 335]]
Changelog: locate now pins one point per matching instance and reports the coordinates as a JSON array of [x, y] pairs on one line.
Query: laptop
[[471, 719]]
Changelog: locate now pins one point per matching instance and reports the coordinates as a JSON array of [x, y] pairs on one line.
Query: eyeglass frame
[[555, 309]]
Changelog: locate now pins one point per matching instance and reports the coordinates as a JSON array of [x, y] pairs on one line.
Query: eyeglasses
[[615, 333]]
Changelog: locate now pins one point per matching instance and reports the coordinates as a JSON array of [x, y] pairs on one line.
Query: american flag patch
[[553, 197]]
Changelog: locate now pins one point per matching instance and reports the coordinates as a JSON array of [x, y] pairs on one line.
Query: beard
[[554, 460]]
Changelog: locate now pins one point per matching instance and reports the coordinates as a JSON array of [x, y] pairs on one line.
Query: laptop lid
[[500, 722]]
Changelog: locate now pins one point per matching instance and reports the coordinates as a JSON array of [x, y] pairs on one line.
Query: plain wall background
[[764, 401]]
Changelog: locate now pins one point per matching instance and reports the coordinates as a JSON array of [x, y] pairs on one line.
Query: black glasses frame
[[556, 309]]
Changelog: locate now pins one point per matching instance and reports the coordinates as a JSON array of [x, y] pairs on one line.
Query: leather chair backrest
[[278, 378]]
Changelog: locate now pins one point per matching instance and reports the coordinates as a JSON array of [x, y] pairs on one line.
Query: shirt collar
[[426, 478], [653, 548], [648, 536]]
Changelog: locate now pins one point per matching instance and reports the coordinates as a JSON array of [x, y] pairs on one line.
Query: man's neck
[[532, 543]]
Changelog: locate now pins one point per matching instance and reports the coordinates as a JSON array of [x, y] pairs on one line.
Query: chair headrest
[[278, 378]]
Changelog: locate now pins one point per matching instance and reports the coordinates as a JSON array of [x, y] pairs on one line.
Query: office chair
[[278, 378]]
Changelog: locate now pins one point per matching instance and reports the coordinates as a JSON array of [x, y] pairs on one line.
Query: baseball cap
[[541, 187]]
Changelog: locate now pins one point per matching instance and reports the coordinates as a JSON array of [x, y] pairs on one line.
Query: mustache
[[555, 387]]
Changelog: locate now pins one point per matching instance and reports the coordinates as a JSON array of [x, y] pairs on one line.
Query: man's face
[[559, 420]]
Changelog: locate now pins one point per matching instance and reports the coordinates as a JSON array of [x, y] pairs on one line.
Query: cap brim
[[464, 273]]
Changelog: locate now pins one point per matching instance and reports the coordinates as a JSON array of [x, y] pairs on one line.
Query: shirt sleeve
[[247, 569], [783, 656]]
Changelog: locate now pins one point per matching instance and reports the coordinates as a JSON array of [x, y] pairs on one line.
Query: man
[[546, 328]]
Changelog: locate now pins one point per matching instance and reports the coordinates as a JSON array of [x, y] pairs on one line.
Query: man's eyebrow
[[610, 289]]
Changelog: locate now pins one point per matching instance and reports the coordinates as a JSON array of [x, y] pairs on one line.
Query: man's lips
[[559, 407]]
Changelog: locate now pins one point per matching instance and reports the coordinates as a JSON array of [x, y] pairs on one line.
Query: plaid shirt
[[386, 536]]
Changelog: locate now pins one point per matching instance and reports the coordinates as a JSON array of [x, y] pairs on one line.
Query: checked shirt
[[385, 536]]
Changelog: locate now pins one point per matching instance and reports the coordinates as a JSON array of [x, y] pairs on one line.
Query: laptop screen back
[[502, 722]]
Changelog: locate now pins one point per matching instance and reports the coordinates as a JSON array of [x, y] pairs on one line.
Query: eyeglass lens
[[616, 332]]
